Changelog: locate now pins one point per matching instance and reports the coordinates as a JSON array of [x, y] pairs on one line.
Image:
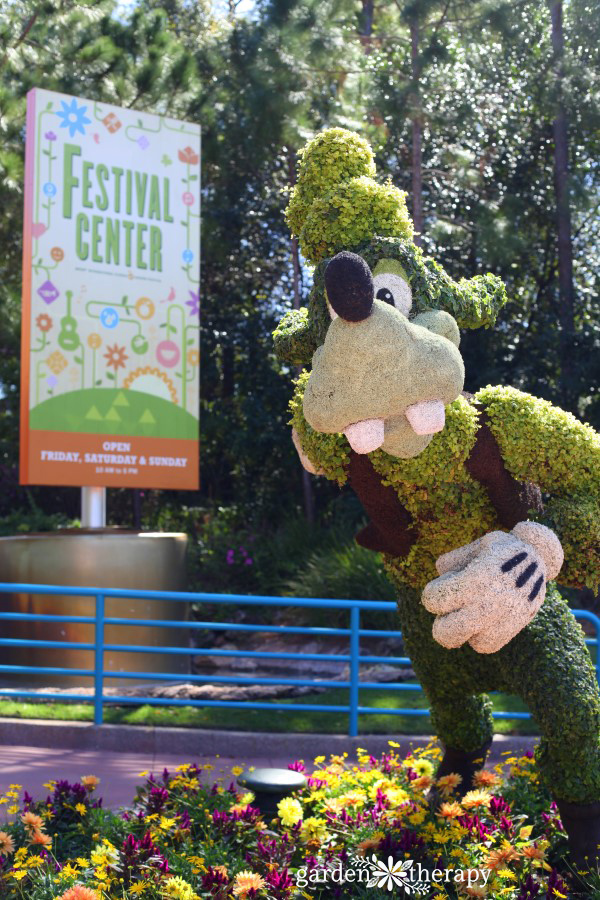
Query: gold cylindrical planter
[[94, 557]]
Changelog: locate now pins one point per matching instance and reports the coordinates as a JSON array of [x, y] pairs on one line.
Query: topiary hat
[[336, 203]]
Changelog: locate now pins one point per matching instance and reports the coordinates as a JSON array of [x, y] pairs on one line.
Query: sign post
[[110, 340]]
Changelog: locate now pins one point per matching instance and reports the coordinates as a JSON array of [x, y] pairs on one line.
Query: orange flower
[[79, 892], [423, 782], [368, 844], [245, 882], [57, 254], [476, 799], [449, 783], [90, 782], [44, 322], [532, 851], [502, 856], [188, 156], [483, 779], [6, 844], [30, 820], [450, 810], [40, 839], [193, 357], [116, 357], [94, 340]]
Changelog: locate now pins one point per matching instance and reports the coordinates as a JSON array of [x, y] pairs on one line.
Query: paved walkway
[[118, 772]]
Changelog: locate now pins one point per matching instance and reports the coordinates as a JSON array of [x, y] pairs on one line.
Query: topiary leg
[[453, 680], [549, 666]]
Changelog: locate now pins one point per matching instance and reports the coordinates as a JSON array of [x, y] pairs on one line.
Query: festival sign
[[110, 341]]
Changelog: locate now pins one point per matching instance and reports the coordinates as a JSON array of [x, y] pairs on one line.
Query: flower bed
[[356, 830]]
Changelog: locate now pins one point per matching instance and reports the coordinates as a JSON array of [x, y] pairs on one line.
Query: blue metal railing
[[353, 658]]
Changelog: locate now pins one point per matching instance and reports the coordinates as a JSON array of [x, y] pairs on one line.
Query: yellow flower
[[393, 744], [245, 882], [396, 796], [289, 811], [56, 362], [237, 770], [314, 829], [422, 767], [319, 760], [138, 887], [165, 823], [19, 875], [178, 889], [80, 809]]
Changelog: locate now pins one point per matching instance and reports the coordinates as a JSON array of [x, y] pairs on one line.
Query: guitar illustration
[[68, 338]]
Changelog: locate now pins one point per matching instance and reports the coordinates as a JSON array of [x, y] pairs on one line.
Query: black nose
[[349, 286]]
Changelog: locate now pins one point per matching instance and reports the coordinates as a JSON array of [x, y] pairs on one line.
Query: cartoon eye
[[393, 289]]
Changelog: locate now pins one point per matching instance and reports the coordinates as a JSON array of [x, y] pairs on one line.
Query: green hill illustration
[[114, 411]]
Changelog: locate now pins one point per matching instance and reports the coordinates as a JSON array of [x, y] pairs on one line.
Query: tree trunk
[[563, 211], [417, 134], [307, 488]]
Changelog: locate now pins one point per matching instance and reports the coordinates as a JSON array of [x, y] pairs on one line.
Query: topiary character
[[477, 502]]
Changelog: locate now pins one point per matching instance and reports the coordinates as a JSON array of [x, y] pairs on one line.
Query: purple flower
[[50, 136], [194, 304], [248, 561], [297, 766], [143, 142], [230, 557]]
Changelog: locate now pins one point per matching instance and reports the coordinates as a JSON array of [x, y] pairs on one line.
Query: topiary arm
[[329, 453], [542, 443]]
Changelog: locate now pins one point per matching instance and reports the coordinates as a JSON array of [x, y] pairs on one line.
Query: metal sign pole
[[93, 507]]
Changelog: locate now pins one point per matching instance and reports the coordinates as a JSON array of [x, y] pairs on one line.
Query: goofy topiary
[[477, 502]]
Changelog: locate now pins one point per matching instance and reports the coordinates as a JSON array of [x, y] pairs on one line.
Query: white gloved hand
[[488, 591]]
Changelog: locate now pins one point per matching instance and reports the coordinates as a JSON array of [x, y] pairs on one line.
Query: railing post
[[354, 669], [99, 661]]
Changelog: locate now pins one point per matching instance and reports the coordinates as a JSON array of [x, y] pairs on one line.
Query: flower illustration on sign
[[168, 354], [188, 198], [187, 256], [48, 292], [73, 117], [44, 322], [116, 357], [50, 136], [166, 160], [94, 340], [109, 317], [57, 254], [49, 189], [143, 142], [56, 362], [188, 156], [193, 303], [111, 122]]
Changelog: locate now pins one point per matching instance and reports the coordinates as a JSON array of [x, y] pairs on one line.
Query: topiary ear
[[473, 302], [294, 338]]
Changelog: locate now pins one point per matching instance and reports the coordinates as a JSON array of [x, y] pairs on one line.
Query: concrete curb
[[194, 743]]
